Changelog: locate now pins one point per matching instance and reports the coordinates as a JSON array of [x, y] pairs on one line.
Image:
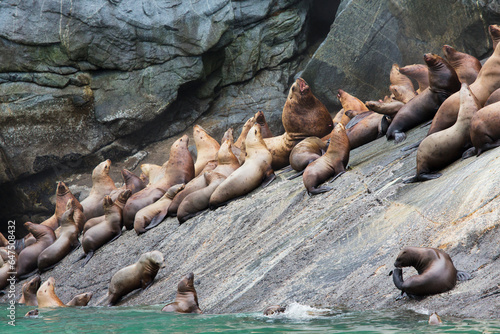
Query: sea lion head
[[259, 117], [82, 299], [62, 189], [431, 59], [406, 257], [228, 135], [448, 51], [274, 309], [154, 258], [299, 89], [199, 133], [102, 169], [32, 314], [494, 30], [47, 287], [32, 285], [186, 284]]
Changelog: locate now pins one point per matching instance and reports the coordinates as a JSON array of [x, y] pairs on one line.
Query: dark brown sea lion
[[385, 108], [102, 185], [81, 299], [120, 201], [29, 292], [485, 129], [418, 72], [105, 232], [274, 309], [306, 152], [178, 169], [364, 128], [440, 149], [133, 182], [436, 272], [186, 299], [443, 82], [466, 66], [255, 171], [264, 127], [27, 261], [206, 148], [65, 244], [139, 275], [153, 214], [46, 295], [330, 164], [487, 81]]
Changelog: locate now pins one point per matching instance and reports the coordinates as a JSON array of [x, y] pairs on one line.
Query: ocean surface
[[297, 319]]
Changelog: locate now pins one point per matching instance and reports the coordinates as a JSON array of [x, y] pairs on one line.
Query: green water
[[149, 319]]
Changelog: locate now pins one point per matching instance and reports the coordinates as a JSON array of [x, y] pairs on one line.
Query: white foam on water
[[296, 311]]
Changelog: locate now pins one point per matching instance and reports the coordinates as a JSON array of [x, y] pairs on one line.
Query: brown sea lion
[[138, 275], [255, 171], [29, 289], [27, 261], [78, 217], [493, 98], [494, 31], [178, 169], [102, 185], [443, 82], [5, 270], [206, 148], [306, 152], [418, 72], [274, 309], [80, 300], [264, 127], [186, 299], [3, 241], [364, 128], [339, 116], [485, 129], [436, 272], [466, 66], [120, 201], [349, 102], [330, 164], [399, 79], [153, 214], [440, 149], [385, 108], [32, 314], [133, 182], [107, 231], [402, 93], [195, 184], [46, 295], [65, 244], [434, 319], [487, 81]]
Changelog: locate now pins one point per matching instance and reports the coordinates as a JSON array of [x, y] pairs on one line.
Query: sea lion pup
[[418, 72], [133, 182], [30, 288], [206, 148], [255, 171], [138, 275], [120, 201], [46, 295], [466, 66], [494, 31], [402, 93], [484, 130], [274, 309], [434, 319], [107, 231], [303, 116], [150, 216], [330, 164], [443, 82], [65, 244], [444, 147], [385, 108], [102, 185], [364, 128], [178, 169], [264, 127], [436, 272], [487, 81], [27, 261], [81, 299], [186, 299], [152, 172]]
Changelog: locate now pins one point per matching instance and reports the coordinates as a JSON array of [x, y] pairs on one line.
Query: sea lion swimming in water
[[30, 288]]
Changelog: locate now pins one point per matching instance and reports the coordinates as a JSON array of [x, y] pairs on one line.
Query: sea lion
[[418, 72], [487, 81], [466, 66], [46, 295], [274, 309], [330, 164], [138, 275], [152, 172], [5, 270], [195, 184], [436, 272], [206, 148], [494, 31], [434, 319], [364, 128], [348, 102], [399, 79], [402, 93], [27, 261], [306, 152], [120, 201], [264, 127], [493, 98], [102, 185], [244, 132], [443, 82], [107, 231], [339, 116], [255, 171], [80, 300], [3, 241], [186, 299], [133, 182], [228, 135], [178, 169], [30, 288], [385, 108], [440, 149], [32, 314], [65, 244], [485, 129], [153, 214], [78, 216]]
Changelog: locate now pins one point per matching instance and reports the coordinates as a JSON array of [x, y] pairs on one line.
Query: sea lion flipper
[[336, 176], [397, 277], [320, 190], [411, 147], [428, 176], [426, 123], [285, 170], [469, 153], [156, 220], [383, 126], [291, 177], [411, 179], [81, 257], [87, 258], [463, 276], [270, 176], [399, 137]]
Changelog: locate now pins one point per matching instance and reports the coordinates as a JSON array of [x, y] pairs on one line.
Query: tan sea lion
[[402, 93], [30, 288], [3, 241], [494, 31], [46, 295], [138, 275], [485, 129], [133, 182], [65, 244], [255, 171], [78, 216], [152, 172], [418, 72], [102, 185], [364, 128], [264, 127], [385, 108], [466, 66], [274, 309], [178, 169], [339, 116], [244, 132], [80, 300], [443, 82], [27, 261], [436, 272], [434, 319], [186, 299], [153, 214], [228, 135], [348, 102], [195, 184], [487, 81], [107, 231], [330, 164], [493, 98], [206, 148], [306, 152], [440, 149], [120, 201], [399, 79]]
